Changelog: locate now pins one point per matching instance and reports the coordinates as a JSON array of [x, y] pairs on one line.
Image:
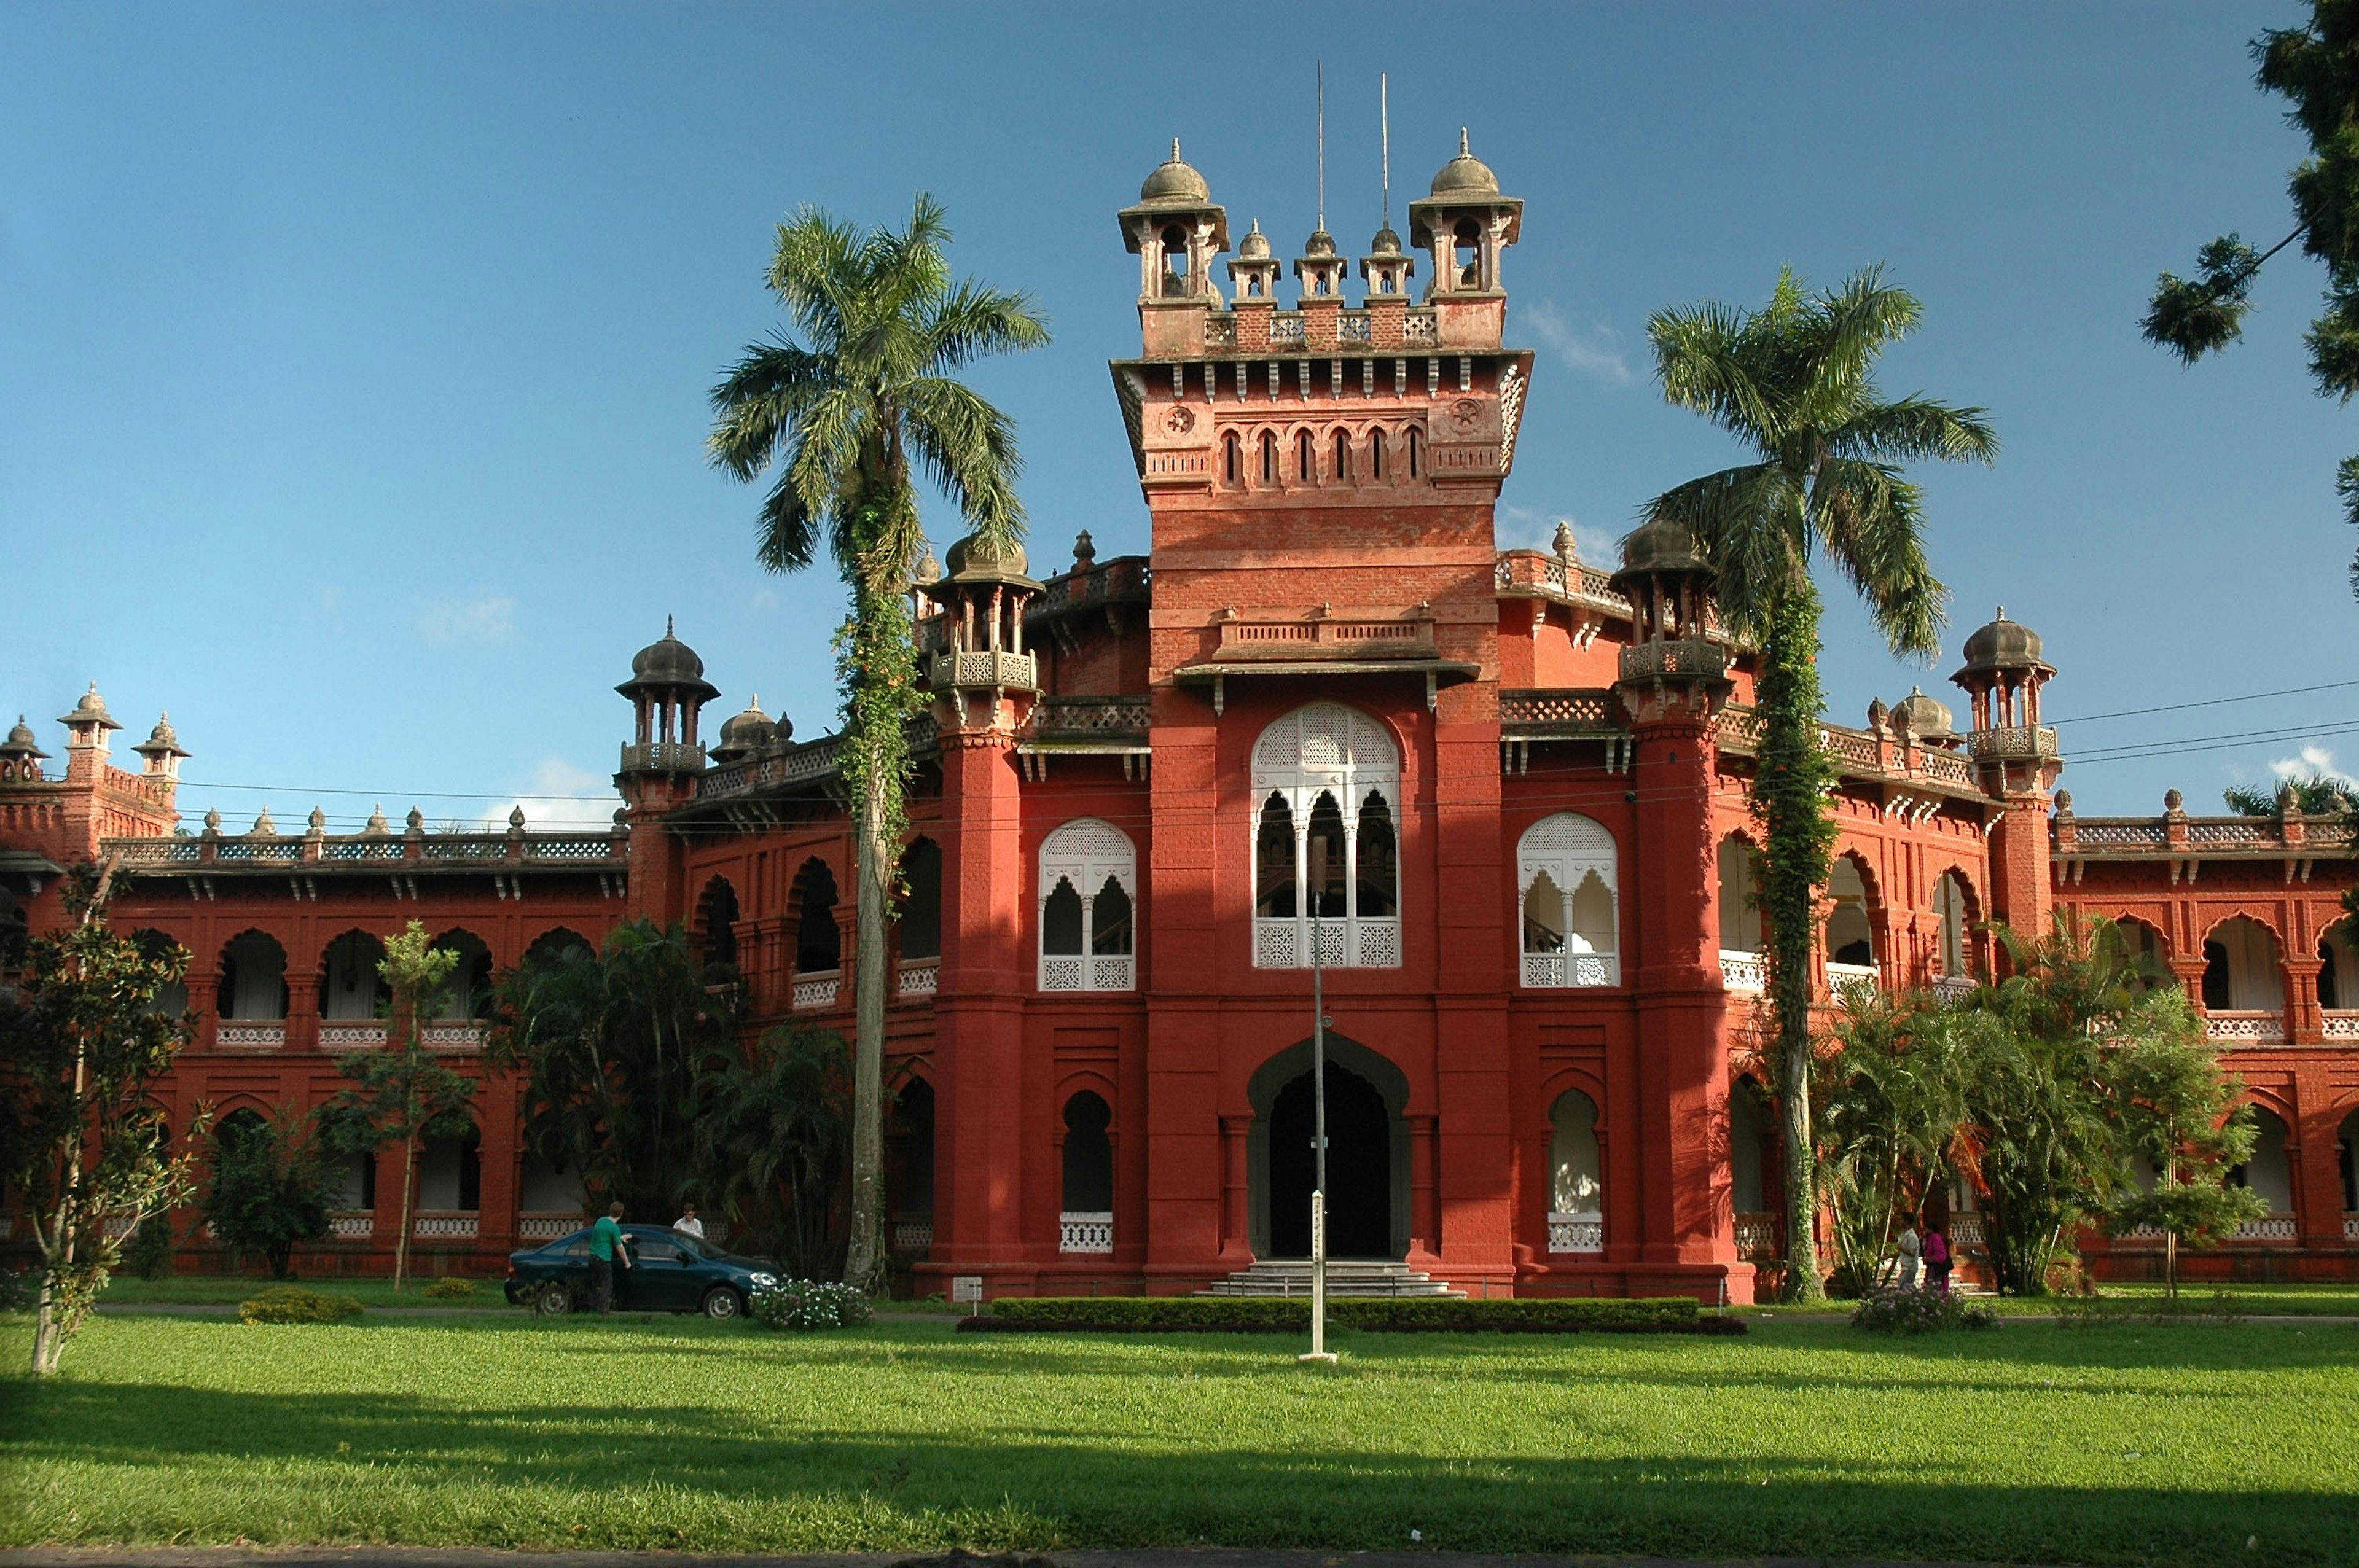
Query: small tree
[[611, 1042], [81, 1137], [402, 1094], [773, 1136], [2181, 1114], [270, 1188]]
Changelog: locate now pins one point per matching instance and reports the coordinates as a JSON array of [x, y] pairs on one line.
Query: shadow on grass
[[1078, 1489]]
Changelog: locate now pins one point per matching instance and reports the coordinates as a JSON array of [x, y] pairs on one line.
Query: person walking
[[607, 1249], [1911, 1248], [688, 1223], [1937, 1260]]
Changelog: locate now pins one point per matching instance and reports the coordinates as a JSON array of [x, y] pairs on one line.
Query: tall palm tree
[[1795, 381], [849, 413]]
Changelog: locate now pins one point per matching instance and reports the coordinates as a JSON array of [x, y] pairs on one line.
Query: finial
[[319, 821], [212, 819], [1085, 550], [666, 625], [376, 819], [263, 825], [2002, 614], [516, 818], [1175, 149], [1463, 150], [1563, 540], [756, 702], [2173, 801]]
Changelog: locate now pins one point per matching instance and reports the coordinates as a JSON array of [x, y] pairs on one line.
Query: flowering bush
[[1919, 1311], [294, 1304], [808, 1303]]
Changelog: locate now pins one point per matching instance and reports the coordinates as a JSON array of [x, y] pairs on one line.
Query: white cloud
[[491, 618], [550, 805], [2313, 759], [1592, 348]]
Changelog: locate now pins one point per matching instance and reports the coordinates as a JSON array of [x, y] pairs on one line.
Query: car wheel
[[721, 1301], [554, 1300]]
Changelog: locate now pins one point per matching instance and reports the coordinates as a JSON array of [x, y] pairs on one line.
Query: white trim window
[[1326, 791], [1565, 889], [1089, 902]]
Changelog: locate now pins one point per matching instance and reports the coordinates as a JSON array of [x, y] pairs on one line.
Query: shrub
[[1266, 1314], [295, 1303], [808, 1303], [451, 1288], [2093, 1311], [20, 1289], [1919, 1311], [149, 1253]]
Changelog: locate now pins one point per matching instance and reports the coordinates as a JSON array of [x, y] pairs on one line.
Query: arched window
[[1565, 875], [921, 905], [1576, 1176], [2240, 968], [818, 946], [254, 979], [172, 998], [557, 945], [2268, 1172], [2142, 949], [716, 922], [1740, 916], [468, 992], [350, 989], [1950, 911], [1306, 459], [1176, 262], [1850, 938], [2338, 975], [1376, 452], [1085, 1223], [1269, 460], [1416, 453], [1089, 880], [1343, 456], [1326, 777], [1466, 253], [450, 1179], [1232, 460]]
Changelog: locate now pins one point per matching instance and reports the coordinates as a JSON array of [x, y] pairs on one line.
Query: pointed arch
[[1326, 791], [1569, 861], [716, 933], [818, 942], [1088, 895]]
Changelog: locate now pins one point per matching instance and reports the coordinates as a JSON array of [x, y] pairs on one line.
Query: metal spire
[[1384, 116], [1323, 146]]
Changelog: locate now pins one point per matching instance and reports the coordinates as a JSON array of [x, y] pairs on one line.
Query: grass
[[2289, 1299], [228, 1290], [2118, 1444]]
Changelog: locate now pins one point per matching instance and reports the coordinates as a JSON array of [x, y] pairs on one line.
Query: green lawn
[[2289, 1298], [2121, 1444]]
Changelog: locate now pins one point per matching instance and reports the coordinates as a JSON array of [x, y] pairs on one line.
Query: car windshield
[[695, 1246]]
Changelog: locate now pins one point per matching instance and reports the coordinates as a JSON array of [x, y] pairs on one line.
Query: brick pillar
[[2318, 1169], [2021, 883], [1687, 1241], [1474, 1185]]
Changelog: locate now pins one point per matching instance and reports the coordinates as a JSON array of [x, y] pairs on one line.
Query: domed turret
[[1672, 666], [745, 733], [1465, 174], [1319, 270], [983, 598], [1253, 272], [1385, 269], [1175, 179], [162, 750], [2003, 644], [1255, 246], [2004, 673], [668, 660], [1660, 546], [668, 689], [1926, 718], [972, 559], [20, 757]]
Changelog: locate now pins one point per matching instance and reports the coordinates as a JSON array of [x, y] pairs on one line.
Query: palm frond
[[814, 273], [1698, 360], [1747, 525], [758, 400], [967, 446], [974, 319], [1872, 521], [1914, 428]]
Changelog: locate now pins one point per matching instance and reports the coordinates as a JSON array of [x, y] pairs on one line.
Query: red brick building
[[1504, 793]]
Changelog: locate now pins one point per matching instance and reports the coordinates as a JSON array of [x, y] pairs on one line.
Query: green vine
[[1790, 799], [877, 669]]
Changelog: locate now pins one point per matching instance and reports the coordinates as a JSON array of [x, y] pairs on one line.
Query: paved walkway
[[1196, 1557]]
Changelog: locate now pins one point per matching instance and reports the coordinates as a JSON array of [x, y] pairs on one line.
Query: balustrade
[[913, 1234], [242, 1034], [1576, 1232], [1545, 970], [1744, 972], [1086, 971], [1841, 975], [816, 991], [448, 1036], [919, 979], [352, 1225], [2245, 1027], [443, 1226], [1368, 943], [1084, 1232], [2340, 1024], [2269, 1228], [547, 1226], [1759, 1237], [351, 1036]]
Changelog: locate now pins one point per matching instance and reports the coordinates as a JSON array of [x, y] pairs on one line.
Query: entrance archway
[[1368, 1154]]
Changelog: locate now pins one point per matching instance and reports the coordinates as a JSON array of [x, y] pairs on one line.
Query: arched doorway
[[1367, 1154]]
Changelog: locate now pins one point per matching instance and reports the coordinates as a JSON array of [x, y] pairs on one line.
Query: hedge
[[1383, 1314], [294, 1304]]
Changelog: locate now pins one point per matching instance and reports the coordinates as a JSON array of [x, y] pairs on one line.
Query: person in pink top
[[1937, 1260]]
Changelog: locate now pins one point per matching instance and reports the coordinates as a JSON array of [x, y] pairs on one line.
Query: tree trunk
[[48, 1342], [863, 1265], [1789, 799], [409, 1179]]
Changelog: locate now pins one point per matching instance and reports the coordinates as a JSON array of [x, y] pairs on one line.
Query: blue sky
[[354, 359]]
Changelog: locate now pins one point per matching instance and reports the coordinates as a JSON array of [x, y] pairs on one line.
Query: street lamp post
[[1319, 1351]]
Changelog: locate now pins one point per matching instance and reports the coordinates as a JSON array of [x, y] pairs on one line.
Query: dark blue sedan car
[[670, 1272]]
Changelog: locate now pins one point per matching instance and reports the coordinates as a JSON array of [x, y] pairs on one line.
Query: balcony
[[2246, 1027], [920, 977], [1840, 976], [466, 1034], [1760, 1237], [994, 671], [547, 1226], [662, 757], [2025, 742], [249, 1034], [1367, 944], [362, 1036], [352, 1225], [1565, 970], [816, 992], [450, 1225], [1084, 1233], [1086, 971], [1746, 974], [1576, 1233]]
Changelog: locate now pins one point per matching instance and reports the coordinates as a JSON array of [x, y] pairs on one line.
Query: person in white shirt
[[688, 1223], [1911, 1248]]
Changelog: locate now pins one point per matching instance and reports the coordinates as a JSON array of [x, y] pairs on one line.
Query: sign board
[[966, 1287]]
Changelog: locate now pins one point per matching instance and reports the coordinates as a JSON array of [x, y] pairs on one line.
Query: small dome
[[971, 559], [20, 742], [745, 732], [1386, 244], [1255, 246], [1465, 174], [1174, 181], [161, 741], [1661, 546], [1320, 243], [1928, 720], [92, 710], [2003, 644], [666, 659]]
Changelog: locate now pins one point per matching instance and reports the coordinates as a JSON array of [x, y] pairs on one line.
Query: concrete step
[[1345, 1277]]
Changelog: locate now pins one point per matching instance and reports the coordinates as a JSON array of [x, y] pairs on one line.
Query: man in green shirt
[[607, 1247]]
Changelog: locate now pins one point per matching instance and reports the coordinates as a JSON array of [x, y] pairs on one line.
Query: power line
[[2210, 702]]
